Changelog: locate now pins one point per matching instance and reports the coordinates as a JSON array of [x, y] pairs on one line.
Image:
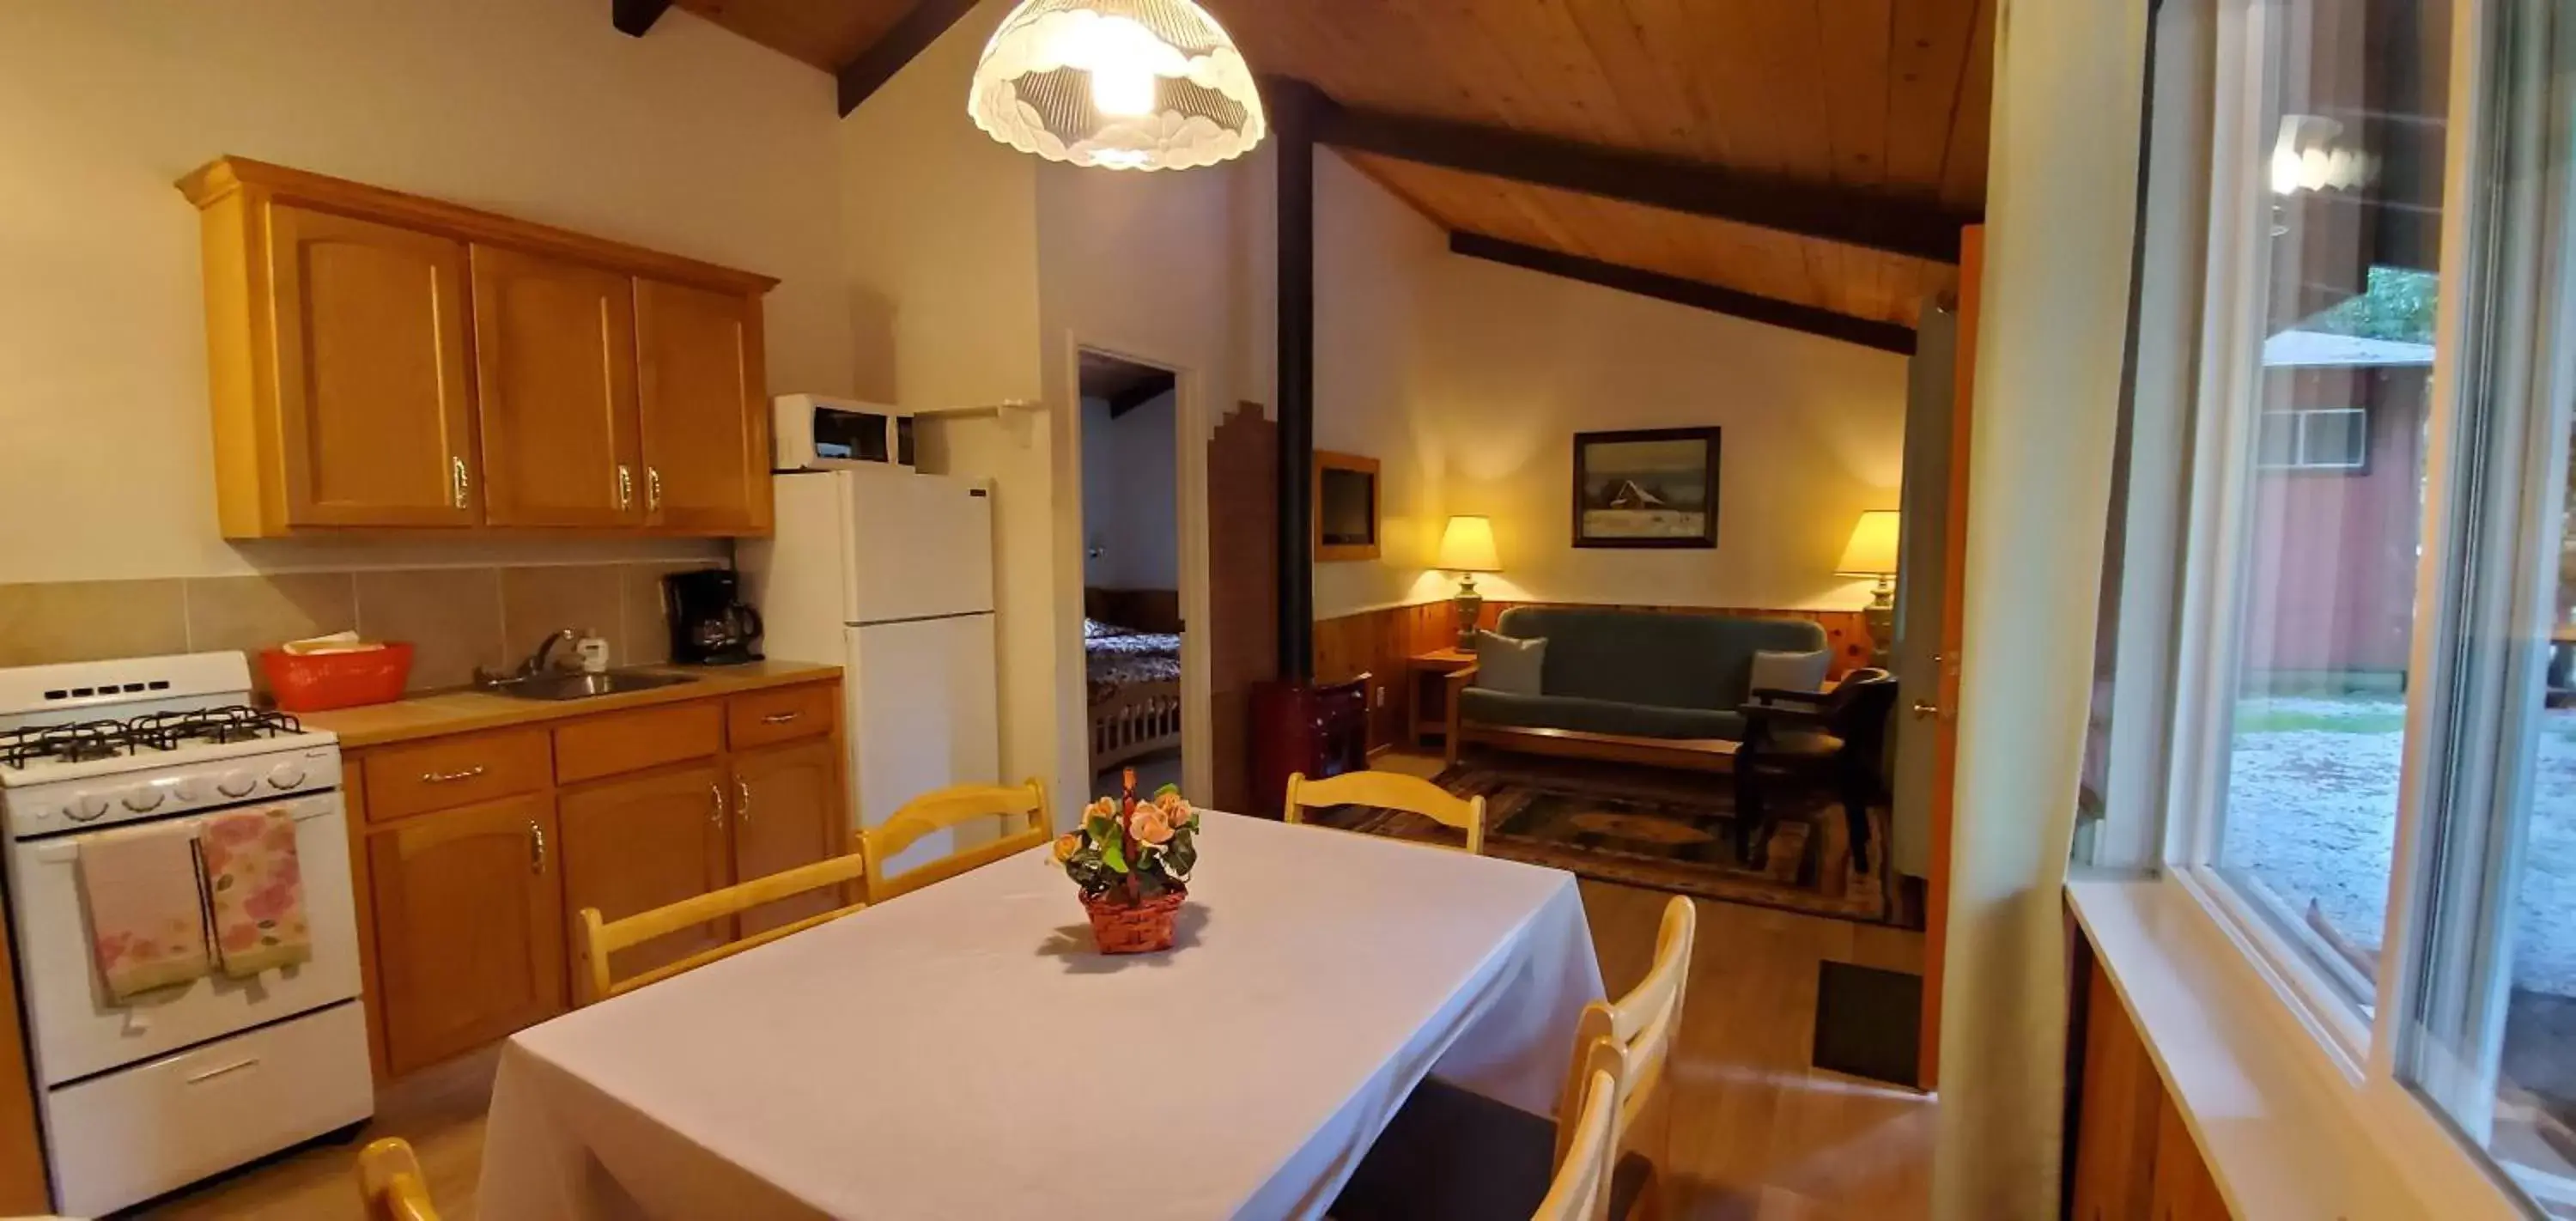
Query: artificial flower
[[1150, 826], [1066, 845]]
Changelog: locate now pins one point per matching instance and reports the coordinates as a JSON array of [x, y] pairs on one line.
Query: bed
[[1134, 675]]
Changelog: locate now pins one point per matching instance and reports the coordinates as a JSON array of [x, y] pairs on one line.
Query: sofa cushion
[[1510, 665], [1484, 706], [1777, 671], [1647, 657]]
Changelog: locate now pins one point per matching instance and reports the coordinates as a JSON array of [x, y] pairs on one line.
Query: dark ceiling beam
[[1835, 214], [1884, 336], [911, 35], [634, 18], [1145, 390]]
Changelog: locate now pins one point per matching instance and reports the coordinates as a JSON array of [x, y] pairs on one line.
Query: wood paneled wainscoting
[[1379, 642]]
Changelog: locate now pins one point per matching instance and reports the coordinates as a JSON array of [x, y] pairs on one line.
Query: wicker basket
[[1141, 928]]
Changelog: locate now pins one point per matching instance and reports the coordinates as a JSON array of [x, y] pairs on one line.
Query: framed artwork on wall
[[1654, 487]]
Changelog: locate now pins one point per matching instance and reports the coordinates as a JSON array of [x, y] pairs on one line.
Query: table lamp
[[1872, 553], [1467, 548]]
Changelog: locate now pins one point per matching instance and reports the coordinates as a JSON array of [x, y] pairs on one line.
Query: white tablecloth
[[962, 1052]]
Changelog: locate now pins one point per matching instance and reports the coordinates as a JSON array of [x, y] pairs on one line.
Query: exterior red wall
[[2332, 577]]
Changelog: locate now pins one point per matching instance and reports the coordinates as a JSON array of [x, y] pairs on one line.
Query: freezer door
[[922, 546], [923, 715]]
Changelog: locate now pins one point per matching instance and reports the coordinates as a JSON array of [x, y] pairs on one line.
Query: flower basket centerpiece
[[1132, 860]]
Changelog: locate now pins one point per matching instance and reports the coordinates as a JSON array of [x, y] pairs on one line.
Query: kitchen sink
[[584, 686]]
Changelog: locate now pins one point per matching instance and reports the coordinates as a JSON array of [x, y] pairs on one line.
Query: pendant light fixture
[[1122, 84]]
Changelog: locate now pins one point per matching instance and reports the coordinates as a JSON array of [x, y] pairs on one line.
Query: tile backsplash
[[455, 618]]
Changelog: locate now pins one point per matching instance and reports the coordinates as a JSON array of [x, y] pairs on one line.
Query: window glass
[[2336, 211]]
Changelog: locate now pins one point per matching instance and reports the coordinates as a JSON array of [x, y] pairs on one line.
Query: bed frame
[[1137, 720]]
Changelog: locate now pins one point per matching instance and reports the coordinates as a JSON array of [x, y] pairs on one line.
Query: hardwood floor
[[1745, 1131]]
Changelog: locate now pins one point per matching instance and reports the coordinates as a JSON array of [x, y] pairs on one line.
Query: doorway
[[1133, 542]]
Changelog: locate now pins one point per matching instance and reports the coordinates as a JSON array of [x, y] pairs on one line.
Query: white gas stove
[[221, 1070]]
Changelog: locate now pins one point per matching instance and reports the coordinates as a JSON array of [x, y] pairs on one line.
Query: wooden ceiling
[[1871, 111]]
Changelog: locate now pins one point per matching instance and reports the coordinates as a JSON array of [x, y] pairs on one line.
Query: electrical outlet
[[1377, 693]]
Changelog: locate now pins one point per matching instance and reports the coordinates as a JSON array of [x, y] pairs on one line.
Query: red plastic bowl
[[315, 682]]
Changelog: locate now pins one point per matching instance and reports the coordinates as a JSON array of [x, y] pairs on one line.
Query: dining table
[[964, 1051]]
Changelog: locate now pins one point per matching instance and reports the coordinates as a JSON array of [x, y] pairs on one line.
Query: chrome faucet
[[537, 663]]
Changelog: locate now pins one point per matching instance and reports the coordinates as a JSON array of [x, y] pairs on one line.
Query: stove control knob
[[188, 788], [143, 798], [286, 775], [84, 807], [236, 784]]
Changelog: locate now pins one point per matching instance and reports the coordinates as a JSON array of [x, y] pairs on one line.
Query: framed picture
[[1654, 487]]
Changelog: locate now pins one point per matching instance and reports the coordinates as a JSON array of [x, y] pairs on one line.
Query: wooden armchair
[[1837, 737]]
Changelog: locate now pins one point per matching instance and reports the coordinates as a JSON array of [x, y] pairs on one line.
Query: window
[[2364, 760]]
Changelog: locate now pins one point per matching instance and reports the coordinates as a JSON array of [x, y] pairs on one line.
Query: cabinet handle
[[456, 473], [779, 718], [716, 791], [451, 777], [536, 847], [625, 486], [742, 800], [653, 488]]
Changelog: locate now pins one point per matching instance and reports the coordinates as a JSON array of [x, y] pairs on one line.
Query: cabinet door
[[705, 413], [469, 927], [554, 364], [374, 420], [644, 842], [787, 812]]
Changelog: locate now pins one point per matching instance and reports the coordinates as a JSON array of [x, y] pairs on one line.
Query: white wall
[[1129, 510], [692, 141]]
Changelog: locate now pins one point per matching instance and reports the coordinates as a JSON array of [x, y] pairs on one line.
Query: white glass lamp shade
[[1121, 84], [1468, 546], [1872, 550]]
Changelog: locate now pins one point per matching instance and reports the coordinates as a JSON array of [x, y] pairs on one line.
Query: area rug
[[1655, 828]]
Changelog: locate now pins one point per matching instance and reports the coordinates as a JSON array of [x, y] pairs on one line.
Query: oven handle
[[212, 1073]]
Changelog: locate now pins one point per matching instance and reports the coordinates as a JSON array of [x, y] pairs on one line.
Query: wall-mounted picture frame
[[1651, 487]]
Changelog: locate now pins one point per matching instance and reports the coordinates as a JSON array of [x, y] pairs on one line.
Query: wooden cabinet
[[2132, 1158], [786, 813], [383, 360], [635, 844], [705, 413], [370, 419], [468, 916], [554, 375]]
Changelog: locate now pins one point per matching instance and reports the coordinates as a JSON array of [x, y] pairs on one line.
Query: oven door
[[78, 1031]]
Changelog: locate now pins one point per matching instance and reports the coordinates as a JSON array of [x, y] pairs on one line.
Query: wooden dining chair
[[1022, 808], [1641, 1023], [390, 1183], [1586, 1169], [1390, 791], [602, 938]]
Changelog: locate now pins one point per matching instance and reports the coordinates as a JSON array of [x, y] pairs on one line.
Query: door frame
[[1191, 432]]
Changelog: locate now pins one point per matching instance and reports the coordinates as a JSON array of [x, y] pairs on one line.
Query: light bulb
[[1123, 89]]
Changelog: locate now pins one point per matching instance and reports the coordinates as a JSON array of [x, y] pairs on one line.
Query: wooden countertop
[[436, 715]]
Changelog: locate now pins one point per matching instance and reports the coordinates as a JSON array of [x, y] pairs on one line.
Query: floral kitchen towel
[[146, 927], [254, 890]]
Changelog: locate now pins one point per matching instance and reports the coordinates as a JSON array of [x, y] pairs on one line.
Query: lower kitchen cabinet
[[646, 841], [786, 813], [468, 913]]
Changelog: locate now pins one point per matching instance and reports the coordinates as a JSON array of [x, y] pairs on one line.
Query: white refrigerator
[[889, 575]]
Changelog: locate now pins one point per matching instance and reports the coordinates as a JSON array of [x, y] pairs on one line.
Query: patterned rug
[[1664, 830]]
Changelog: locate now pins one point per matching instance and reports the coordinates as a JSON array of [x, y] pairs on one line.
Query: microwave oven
[[809, 432]]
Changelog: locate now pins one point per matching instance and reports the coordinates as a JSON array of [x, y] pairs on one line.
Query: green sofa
[[1633, 674]]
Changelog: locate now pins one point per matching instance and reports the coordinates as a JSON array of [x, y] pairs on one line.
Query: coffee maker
[[710, 623]]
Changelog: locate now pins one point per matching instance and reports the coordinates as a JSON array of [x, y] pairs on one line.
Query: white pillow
[[1509, 665], [1789, 671]]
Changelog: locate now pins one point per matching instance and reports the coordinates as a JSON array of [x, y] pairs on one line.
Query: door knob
[[1923, 709]]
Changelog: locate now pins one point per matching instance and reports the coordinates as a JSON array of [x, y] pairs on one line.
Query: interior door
[[704, 409], [469, 927], [786, 813], [642, 842], [554, 363], [1943, 709], [374, 414]]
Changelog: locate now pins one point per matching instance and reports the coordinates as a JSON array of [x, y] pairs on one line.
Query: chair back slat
[[1640, 1024], [1021, 808], [1390, 791], [1581, 1188], [602, 938]]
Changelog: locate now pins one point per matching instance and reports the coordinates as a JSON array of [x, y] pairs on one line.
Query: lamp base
[[1468, 605], [1880, 620]]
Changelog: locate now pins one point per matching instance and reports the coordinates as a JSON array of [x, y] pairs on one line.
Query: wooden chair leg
[[1748, 809]]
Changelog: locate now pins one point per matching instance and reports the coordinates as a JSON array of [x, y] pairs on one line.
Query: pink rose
[[1150, 826]]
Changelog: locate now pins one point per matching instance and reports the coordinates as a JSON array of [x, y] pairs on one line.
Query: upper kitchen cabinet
[[381, 360]]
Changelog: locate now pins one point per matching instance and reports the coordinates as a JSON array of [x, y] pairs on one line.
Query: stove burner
[[64, 743], [159, 731]]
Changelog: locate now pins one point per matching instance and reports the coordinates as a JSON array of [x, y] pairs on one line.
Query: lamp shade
[[1468, 546], [1120, 84], [1872, 550]]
